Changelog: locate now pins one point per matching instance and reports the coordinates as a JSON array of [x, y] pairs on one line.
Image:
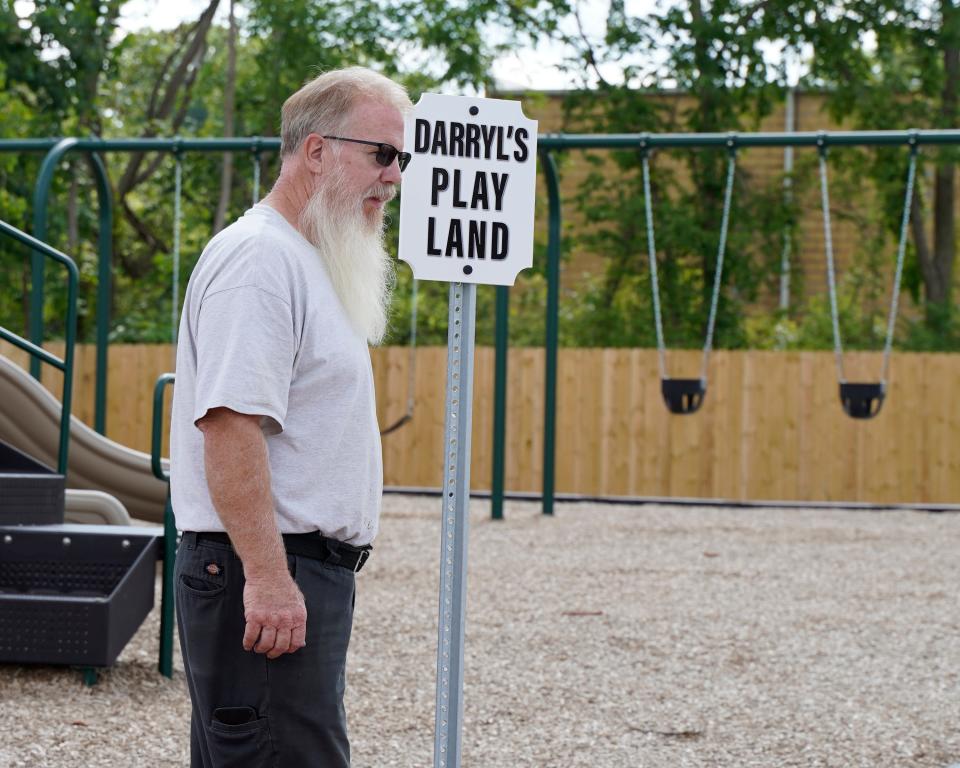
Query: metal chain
[[831, 278], [177, 216], [901, 249], [412, 364], [652, 253], [721, 252]]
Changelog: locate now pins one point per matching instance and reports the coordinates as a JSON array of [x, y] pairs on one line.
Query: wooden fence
[[771, 426]]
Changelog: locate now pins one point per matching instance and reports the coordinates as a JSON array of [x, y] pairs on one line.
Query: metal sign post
[[466, 217], [456, 520]]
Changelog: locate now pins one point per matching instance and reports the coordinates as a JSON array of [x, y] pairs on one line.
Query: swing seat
[[862, 400], [683, 395]]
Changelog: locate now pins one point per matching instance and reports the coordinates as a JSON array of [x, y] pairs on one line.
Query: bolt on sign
[[467, 202]]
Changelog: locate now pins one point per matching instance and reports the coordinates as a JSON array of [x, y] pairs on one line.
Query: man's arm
[[238, 476]]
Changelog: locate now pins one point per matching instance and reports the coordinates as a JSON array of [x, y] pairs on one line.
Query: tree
[[715, 58], [894, 64]]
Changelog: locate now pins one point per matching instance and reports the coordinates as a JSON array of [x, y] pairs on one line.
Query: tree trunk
[[179, 85], [229, 94], [938, 273]]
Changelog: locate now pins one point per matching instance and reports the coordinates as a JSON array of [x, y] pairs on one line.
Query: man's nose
[[391, 174]]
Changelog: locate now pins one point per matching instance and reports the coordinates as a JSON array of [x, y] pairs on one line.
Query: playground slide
[[93, 508], [30, 421]]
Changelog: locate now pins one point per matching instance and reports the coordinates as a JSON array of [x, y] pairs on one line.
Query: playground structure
[[99, 464]]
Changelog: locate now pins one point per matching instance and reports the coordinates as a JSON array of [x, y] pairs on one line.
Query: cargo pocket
[[238, 738]]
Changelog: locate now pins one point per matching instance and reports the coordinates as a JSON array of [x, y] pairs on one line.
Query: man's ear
[[315, 153]]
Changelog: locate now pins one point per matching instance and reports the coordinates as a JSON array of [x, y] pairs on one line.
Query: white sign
[[467, 202]]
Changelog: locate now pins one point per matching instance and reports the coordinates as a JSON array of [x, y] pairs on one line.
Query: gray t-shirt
[[263, 333]]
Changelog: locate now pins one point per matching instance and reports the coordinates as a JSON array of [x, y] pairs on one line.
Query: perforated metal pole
[[453, 536]]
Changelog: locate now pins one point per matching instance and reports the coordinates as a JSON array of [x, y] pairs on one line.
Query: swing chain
[[901, 250], [721, 252], [412, 364], [177, 218], [828, 246], [652, 253]]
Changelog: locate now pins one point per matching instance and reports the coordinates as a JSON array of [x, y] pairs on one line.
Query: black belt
[[314, 545]]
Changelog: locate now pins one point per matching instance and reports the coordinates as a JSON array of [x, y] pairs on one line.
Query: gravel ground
[[608, 636]]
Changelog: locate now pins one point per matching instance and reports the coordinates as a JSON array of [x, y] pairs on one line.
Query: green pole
[[41, 198], [41, 194], [104, 290], [165, 662], [500, 401], [553, 332]]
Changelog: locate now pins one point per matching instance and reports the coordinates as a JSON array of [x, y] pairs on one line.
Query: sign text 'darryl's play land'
[[467, 200]]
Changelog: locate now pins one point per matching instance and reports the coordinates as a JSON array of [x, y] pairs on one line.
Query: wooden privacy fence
[[770, 428]]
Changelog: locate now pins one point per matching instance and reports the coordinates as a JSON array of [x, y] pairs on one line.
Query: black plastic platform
[[30, 492], [74, 594]]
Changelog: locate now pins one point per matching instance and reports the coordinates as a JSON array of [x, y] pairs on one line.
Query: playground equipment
[[68, 594], [686, 395], [29, 421], [549, 143], [863, 400]]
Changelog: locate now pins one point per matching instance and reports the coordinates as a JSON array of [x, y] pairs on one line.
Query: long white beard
[[351, 245]]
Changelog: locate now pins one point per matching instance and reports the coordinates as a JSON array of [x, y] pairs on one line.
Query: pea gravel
[[607, 636]]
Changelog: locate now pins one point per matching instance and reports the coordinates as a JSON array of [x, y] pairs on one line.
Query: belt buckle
[[364, 555]]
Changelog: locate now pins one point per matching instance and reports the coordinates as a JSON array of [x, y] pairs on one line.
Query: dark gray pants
[[250, 711]]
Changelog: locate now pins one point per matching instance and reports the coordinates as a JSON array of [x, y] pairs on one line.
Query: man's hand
[[275, 614]]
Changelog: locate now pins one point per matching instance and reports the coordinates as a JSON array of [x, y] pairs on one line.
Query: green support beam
[[165, 661], [501, 338], [553, 333]]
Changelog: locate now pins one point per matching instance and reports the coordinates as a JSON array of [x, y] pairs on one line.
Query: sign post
[[466, 218]]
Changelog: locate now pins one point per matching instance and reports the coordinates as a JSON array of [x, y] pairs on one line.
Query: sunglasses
[[386, 153]]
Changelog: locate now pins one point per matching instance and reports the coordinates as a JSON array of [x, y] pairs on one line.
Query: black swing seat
[[862, 400], [683, 395]]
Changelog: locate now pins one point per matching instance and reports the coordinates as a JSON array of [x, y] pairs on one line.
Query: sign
[[467, 202]]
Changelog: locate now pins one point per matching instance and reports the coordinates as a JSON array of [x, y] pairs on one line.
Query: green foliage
[[66, 71]]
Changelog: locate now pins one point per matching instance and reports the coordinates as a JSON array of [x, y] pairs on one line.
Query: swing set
[[860, 400], [685, 396]]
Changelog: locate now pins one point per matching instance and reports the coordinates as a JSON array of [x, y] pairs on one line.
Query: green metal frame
[[546, 144], [642, 141], [38, 354], [165, 663]]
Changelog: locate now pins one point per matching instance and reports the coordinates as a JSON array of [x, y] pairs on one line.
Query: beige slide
[[30, 422]]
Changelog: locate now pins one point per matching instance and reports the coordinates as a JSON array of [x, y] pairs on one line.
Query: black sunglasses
[[385, 152]]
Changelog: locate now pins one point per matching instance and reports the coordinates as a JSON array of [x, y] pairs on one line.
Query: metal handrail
[[165, 663], [36, 351], [156, 436]]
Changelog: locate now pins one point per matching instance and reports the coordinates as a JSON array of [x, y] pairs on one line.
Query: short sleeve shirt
[[263, 333]]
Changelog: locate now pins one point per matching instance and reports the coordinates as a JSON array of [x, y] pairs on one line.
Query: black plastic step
[[73, 594], [31, 493]]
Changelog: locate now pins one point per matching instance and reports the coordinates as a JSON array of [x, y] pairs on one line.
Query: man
[[275, 448]]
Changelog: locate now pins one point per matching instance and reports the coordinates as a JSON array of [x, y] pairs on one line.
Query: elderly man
[[276, 462]]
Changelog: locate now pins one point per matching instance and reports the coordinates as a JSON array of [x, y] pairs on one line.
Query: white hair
[[324, 104], [351, 245]]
